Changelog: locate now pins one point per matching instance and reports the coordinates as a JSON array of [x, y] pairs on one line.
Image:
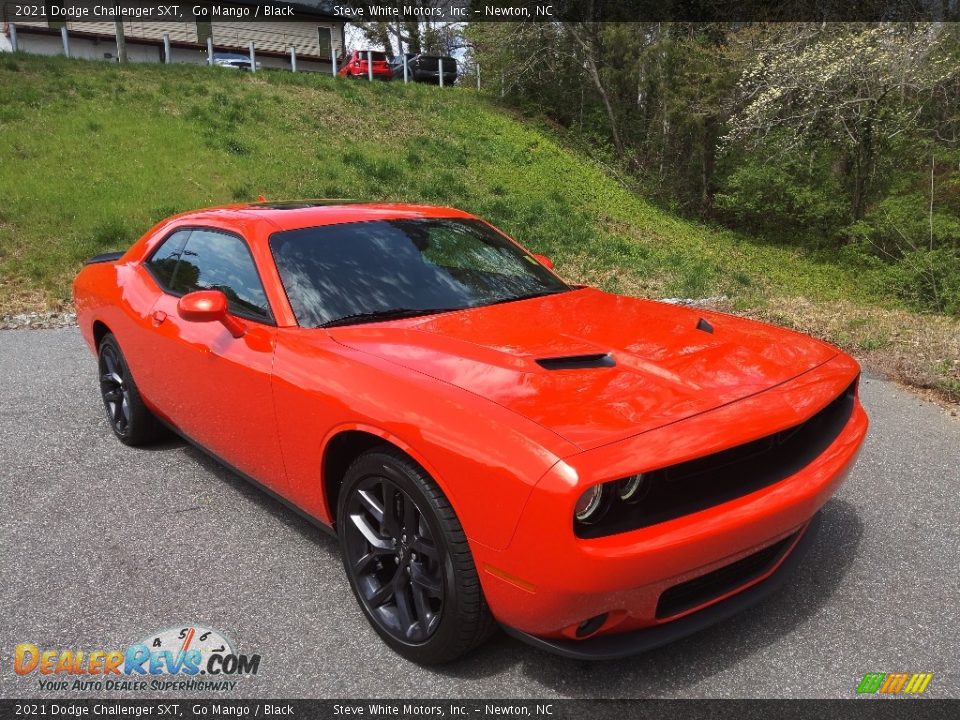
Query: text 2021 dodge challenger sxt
[[598, 474]]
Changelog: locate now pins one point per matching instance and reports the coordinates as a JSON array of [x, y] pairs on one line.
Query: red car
[[597, 474], [356, 65]]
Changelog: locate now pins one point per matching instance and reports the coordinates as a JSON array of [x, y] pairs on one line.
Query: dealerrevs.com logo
[[183, 658]]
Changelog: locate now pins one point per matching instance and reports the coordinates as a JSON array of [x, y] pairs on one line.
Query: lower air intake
[[713, 585]]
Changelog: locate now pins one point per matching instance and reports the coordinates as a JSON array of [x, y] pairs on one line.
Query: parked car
[[598, 474], [425, 68], [355, 65], [236, 61]]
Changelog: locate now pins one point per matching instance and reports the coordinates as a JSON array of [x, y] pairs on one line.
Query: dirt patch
[[920, 351]]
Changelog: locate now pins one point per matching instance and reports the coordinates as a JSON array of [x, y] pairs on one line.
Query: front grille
[[698, 484], [705, 588]]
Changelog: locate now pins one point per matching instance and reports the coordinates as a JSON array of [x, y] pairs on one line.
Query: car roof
[[296, 214]]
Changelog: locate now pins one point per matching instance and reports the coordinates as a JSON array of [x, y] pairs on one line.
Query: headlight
[[633, 489], [609, 501], [592, 505]]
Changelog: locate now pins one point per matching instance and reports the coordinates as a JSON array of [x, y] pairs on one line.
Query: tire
[[129, 418], [407, 560]]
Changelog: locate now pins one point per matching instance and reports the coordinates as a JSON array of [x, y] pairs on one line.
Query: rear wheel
[[131, 420], [408, 561]]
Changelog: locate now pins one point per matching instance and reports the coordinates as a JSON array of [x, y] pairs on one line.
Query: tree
[[414, 35], [853, 87], [655, 93], [589, 41]]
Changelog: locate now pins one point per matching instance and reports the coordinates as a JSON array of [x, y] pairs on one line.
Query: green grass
[[93, 154]]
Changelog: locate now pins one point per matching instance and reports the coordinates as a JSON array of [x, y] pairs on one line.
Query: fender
[[384, 435]]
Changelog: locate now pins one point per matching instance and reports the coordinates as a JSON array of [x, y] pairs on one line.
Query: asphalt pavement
[[102, 545]]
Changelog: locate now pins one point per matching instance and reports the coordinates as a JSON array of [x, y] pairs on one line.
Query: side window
[[214, 260], [163, 262]]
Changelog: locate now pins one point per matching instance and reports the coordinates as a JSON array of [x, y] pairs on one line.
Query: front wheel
[[408, 561]]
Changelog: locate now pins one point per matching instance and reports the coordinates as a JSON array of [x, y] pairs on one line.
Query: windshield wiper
[[389, 314]]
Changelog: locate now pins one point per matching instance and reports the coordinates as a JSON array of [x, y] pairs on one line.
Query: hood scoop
[[704, 326], [577, 362]]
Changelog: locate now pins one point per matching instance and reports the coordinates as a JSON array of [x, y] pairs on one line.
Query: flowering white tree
[[855, 87]]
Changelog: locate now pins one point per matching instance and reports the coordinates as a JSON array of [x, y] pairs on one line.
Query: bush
[[929, 279], [922, 251], [783, 199], [901, 223]]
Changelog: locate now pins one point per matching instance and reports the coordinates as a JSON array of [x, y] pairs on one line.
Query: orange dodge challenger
[[597, 474]]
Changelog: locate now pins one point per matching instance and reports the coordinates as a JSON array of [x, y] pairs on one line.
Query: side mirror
[[209, 306], [544, 260]]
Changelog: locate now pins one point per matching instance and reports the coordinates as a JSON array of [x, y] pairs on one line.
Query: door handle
[[158, 317]]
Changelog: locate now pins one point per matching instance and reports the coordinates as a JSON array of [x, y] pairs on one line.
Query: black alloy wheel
[[131, 420], [113, 389], [407, 560], [394, 559]]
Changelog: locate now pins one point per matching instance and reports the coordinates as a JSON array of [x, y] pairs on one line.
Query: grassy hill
[[92, 154]]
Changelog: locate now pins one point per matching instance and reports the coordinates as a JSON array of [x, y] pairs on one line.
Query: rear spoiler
[[104, 258]]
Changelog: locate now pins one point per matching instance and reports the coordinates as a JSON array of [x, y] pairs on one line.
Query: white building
[[316, 36]]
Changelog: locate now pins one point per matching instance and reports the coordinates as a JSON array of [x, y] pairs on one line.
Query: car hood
[[661, 367]]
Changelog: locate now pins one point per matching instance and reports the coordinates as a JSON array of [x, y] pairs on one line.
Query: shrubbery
[[820, 136], [785, 199]]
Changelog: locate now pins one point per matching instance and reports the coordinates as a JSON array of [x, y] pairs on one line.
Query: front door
[[217, 388]]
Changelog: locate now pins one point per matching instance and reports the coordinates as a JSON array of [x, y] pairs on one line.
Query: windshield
[[364, 271]]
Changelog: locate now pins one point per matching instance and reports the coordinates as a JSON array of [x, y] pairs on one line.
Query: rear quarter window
[[163, 263]]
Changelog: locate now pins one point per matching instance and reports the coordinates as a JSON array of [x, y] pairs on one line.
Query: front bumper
[[547, 583], [620, 645]]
